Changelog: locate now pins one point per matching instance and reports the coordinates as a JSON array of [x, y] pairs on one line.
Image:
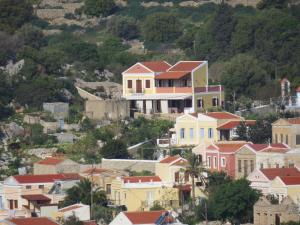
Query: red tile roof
[[46, 178], [185, 66], [271, 173], [157, 66], [260, 147], [144, 217], [69, 208], [233, 124], [169, 159], [37, 197], [51, 161], [32, 221], [170, 75], [142, 179], [275, 150], [291, 180], [294, 120], [227, 147], [222, 115]]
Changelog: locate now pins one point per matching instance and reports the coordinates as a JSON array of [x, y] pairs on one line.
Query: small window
[[208, 161], [108, 188], [28, 186], [245, 167], [129, 83], [210, 133], [182, 133], [239, 165], [215, 101], [251, 165], [41, 186], [281, 138], [202, 133], [223, 162], [276, 138], [200, 103], [287, 139], [261, 165], [298, 139], [191, 133], [215, 162], [16, 204], [147, 83]]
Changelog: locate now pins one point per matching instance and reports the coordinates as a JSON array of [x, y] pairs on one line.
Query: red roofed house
[[24, 194], [145, 218], [228, 130], [158, 87], [220, 156], [29, 221], [53, 165], [252, 156], [261, 178], [287, 131], [139, 193]]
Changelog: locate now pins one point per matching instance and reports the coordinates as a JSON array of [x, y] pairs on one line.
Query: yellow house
[[139, 193], [286, 186], [287, 131], [158, 87]]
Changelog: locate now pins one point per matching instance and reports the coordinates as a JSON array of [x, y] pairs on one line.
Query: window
[[215, 162], [191, 133], [239, 165], [281, 138], [186, 176], [245, 167], [208, 161], [287, 139], [223, 162], [16, 204], [291, 165], [41, 186], [177, 176], [147, 83], [210, 133], [202, 133], [108, 188], [298, 139], [215, 101], [129, 83], [261, 165], [251, 165], [276, 138], [277, 165], [200, 103], [28, 186], [182, 133]]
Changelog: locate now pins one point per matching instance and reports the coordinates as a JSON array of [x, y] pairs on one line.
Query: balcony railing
[[167, 90]]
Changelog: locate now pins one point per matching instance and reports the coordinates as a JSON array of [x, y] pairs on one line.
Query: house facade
[[158, 87], [287, 131]]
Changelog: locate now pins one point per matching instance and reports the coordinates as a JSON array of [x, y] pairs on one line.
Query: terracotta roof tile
[[263, 147], [36, 197], [185, 66], [70, 208], [144, 217], [33, 221], [142, 179], [51, 161], [227, 147], [222, 115], [294, 120], [169, 159], [233, 124], [271, 173], [46, 178], [157, 66], [171, 75], [291, 180]]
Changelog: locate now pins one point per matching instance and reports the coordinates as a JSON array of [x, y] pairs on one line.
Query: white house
[[81, 211]]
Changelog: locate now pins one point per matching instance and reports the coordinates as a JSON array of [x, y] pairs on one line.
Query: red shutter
[[129, 83]]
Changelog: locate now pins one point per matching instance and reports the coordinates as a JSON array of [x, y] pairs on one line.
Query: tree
[[14, 13], [115, 149], [234, 201], [72, 220], [261, 132], [99, 7], [103, 214], [242, 132], [81, 192], [156, 206], [123, 27], [279, 4], [291, 223], [161, 27]]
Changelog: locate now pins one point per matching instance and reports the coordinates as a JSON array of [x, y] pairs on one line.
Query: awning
[[36, 197], [171, 75]]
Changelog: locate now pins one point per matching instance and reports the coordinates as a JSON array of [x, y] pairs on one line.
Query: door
[[158, 106], [144, 107], [138, 86]]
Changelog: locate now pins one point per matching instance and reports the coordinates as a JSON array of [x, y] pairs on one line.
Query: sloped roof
[[171, 75], [144, 217], [264, 147], [32, 221], [226, 147], [51, 161], [141, 179], [271, 173], [46, 178], [233, 124], [185, 66], [222, 115], [291, 180], [169, 159], [36, 197], [71, 207], [294, 120], [156, 66]]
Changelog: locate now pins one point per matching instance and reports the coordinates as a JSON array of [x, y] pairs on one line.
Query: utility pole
[[92, 185]]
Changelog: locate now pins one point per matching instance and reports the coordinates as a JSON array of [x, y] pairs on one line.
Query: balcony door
[[138, 86]]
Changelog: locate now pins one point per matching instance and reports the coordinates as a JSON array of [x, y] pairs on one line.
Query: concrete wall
[[128, 164], [107, 109]]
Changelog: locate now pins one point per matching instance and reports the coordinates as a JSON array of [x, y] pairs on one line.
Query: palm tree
[[195, 169]]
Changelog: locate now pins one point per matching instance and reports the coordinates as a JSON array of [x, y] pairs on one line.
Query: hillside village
[[160, 112]]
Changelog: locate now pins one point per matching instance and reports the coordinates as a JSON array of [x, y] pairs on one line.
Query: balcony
[[168, 90]]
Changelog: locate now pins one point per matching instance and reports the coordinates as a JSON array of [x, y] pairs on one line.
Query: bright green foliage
[[99, 7], [103, 214], [156, 206], [291, 223], [14, 13], [161, 27]]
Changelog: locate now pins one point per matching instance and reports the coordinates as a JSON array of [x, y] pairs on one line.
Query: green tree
[[279, 4], [123, 27], [242, 132], [291, 223], [161, 27], [234, 201], [102, 214], [99, 7], [14, 13], [115, 149], [156, 207], [81, 192], [261, 132], [72, 220]]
